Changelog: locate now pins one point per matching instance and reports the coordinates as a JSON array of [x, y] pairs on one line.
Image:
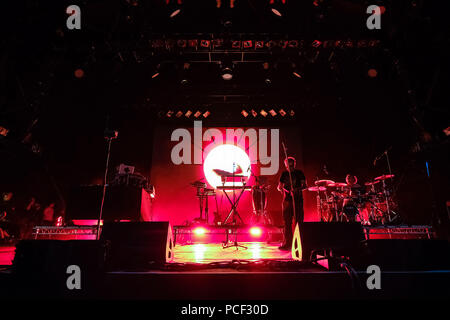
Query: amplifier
[[64, 233], [398, 232]]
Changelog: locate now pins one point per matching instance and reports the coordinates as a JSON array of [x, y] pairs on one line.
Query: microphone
[[381, 156]]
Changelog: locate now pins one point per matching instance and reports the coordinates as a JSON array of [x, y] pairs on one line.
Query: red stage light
[[372, 73], [255, 231], [199, 231], [79, 73], [248, 44], [316, 43]]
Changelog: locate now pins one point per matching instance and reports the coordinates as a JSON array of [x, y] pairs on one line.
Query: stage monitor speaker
[[341, 237], [405, 255], [137, 245], [44, 264]]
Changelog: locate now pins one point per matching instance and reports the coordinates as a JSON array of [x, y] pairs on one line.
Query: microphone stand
[[109, 136], [385, 153]]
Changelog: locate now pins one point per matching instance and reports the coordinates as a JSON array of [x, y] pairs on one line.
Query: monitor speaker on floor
[[405, 255], [341, 237], [137, 245], [46, 265]]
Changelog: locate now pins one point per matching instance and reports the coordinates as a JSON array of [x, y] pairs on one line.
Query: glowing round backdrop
[[226, 157]]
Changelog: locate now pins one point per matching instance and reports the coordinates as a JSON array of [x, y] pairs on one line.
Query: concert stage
[[258, 270], [225, 150]]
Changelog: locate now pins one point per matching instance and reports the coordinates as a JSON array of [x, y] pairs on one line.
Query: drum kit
[[370, 204]]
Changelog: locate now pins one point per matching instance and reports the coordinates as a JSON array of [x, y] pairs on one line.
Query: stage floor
[[200, 253], [214, 252]]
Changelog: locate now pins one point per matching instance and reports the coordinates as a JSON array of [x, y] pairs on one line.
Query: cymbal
[[324, 183], [338, 184], [384, 177], [372, 183], [317, 189], [198, 184]]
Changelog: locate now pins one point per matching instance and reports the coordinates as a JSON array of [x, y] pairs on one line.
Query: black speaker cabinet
[[137, 245], [341, 237], [405, 255], [43, 265], [121, 203]]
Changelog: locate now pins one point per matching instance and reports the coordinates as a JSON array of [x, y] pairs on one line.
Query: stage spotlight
[[185, 71], [79, 73], [255, 231], [206, 114], [227, 68], [268, 75], [199, 231], [197, 114], [277, 8], [254, 113], [248, 44], [3, 131], [264, 113], [292, 113], [175, 12], [272, 113], [372, 72], [188, 113], [244, 113], [174, 9], [169, 113], [282, 112], [236, 44], [296, 71], [155, 72], [227, 73], [276, 12], [179, 114]]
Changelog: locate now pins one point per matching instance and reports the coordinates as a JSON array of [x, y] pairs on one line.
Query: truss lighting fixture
[[292, 113], [174, 9], [206, 114], [254, 113], [276, 8], [185, 71], [227, 73], [296, 72], [156, 71], [282, 112], [197, 114], [188, 113], [244, 113], [169, 113], [264, 113], [179, 114], [273, 113]]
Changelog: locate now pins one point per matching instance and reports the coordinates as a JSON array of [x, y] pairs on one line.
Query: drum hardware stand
[[110, 135], [385, 192]]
